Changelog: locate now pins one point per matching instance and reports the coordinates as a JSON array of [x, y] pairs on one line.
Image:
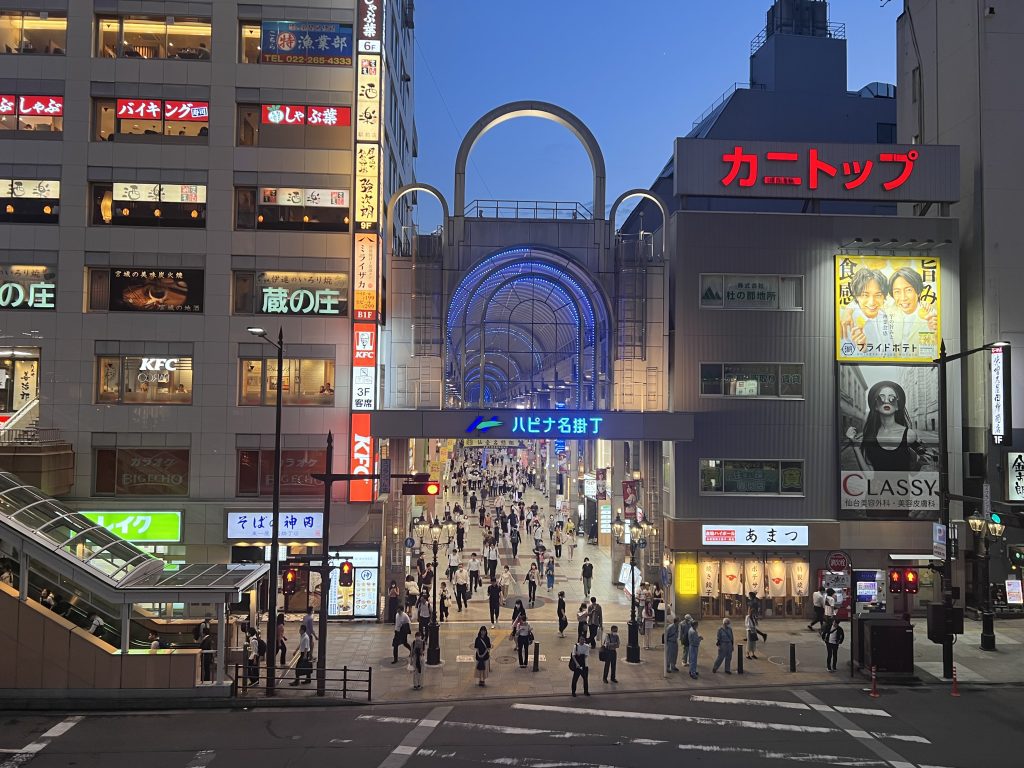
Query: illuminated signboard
[[309, 198], [754, 535], [294, 526], [32, 106], [1002, 417], [133, 289], [582, 426], [305, 42], [303, 293], [140, 527], [33, 189], [27, 286], [155, 109], [364, 366], [303, 114], [360, 458], [159, 193]]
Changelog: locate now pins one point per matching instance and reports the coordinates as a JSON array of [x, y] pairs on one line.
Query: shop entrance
[[783, 582], [19, 379]]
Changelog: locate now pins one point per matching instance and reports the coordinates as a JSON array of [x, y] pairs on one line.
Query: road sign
[[837, 560], [939, 540], [410, 542], [385, 476]]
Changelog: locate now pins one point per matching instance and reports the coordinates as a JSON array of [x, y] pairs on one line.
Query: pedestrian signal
[[895, 580], [910, 581], [291, 578], [429, 488], [1016, 554], [345, 574]]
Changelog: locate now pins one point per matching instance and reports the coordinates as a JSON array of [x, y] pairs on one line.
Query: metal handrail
[[344, 680], [29, 436], [527, 209], [836, 31], [737, 86]]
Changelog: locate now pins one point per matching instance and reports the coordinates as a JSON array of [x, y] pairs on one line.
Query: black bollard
[[792, 657], [739, 660], [536, 657]]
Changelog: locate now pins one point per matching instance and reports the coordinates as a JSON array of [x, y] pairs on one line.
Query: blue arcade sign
[[578, 426]]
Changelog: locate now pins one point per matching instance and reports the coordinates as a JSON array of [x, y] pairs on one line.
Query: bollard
[[536, 657], [792, 657], [874, 683], [956, 688], [739, 659]]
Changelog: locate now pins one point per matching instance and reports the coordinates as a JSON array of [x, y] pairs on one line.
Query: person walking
[[494, 592], [416, 661], [460, 535], [474, 575], [454, 561], [394, 597], [830, 609], [750, 625], [491, 555], [443, 598], [514, 540], [518, 616], [648, 619], [402, 630], [610, 651], [461, 587], [672, 645], [281, 638], [556, 540], [482, 655], [582, 620], [506, 580], [524, 639], [833, 640], [587, 576], [684, 637], [578, 665], [531, 582], [549, 572], [304, 666], [563, 620], [570, 541], [254, 656], [755, 603], [818, 605], [423, 612], [725, 644], [595, 620], [695, 640]]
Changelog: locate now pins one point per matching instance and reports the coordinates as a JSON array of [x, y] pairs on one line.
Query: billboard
[[305, 42], [887, 308], [889, 425], [135, 289]]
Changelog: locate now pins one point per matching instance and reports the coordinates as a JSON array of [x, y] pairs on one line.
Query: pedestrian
[[454, 561], [595, 620], [755, 603], [684, 636], [582, 619], [556, 540], [482, 655], [514, 539], [494, 592], [750, 625], [648, 617], [570, 541], [402, 630], [695, 639], [578, 665], [460, 535], [671, 645], [609, 652], [423, 612], [281, 639], [818, 605], [416, 661], [524, 639], [442, 601], [421, 569], [518, 616], [549, 572], [461, 586], [830, 609], [154, 641], [304, 666], [95, 625], [833, 640], [394, 597], [206, 649], [254, 656], [531, 582], [587, 576], [474, 574], [506, 580], [563, 620], [725, 643]]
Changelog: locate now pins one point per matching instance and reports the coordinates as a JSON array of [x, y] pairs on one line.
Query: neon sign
[[584, 426]]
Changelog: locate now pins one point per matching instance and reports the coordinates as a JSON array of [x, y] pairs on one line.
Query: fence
[[347, 681]]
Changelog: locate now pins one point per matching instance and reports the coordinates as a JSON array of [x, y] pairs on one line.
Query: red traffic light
[[910, 580], [345, 574], [896, 579], [428, 488]]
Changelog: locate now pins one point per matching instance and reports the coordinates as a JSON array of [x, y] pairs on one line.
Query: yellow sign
[[686, 579], [364, 277], [367, 193], [368, 99]]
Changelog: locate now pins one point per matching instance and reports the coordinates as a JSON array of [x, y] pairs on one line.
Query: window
[[144, 380], [771, 292], [149, 205], [291, 208], [146, 289], [150, 118], [141, 471], [256, 472], [294, 126], [33, 33], [782, 380], [290, 293], [752, 477], [32, 113], [140, 37], [885, 133], [296, 42], [305, 382], [29, 201]]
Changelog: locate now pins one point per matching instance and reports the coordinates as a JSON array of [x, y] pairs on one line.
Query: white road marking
[[201, 759], [963, 674], [414, 739], [29, 751], [340, 741], [384, 719], [800, 757], [862, 711], [751, 702]]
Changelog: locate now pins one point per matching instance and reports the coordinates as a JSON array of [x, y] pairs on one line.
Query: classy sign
[[754, 535], [364, 366], [134, 289]]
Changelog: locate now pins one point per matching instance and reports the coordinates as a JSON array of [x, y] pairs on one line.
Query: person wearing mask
[[563, 620], [514, 540], [695, 640], [474, 575], [416, 661], [460, 534], [423, 613], [833, 639], [830, 608], [531, 582], [750, 625], [595, 620], [684, 637], [549, 572], [402, 630], [482, 655], [454, 561], [506, 580], [304, 666], [610, 651], [582, 619], [524, 639], [818, 605], [281, 639], [394, 597], [462, 587], [671, 645], [725, 643], [578, 665], [491, 556], [443, 597], [587, 576], [518, 616], [494, 596], [648, 619]]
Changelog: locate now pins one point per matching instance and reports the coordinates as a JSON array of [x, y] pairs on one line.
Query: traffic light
[[345, 574], [291, 579], [1016, 554], [910, 581], [428, 488], [896, 580]]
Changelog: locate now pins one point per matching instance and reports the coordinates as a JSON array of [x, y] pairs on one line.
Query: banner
[[887, 308], [135, 289], [889, 425], [799, 572], [753, 576], [732, 578], [630, 495], [152, 472], [777, 578], [709, 578]]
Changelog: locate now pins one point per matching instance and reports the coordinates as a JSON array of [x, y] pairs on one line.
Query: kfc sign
[[364, 366], [360, 458], [364, 351]]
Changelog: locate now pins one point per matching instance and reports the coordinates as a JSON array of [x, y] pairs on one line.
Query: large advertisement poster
[[889, 436], [305, 42], [887, 308], [134, 289]]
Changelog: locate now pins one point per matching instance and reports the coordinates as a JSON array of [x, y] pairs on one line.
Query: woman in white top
[[648, 624], [750, 625], [505, 580]]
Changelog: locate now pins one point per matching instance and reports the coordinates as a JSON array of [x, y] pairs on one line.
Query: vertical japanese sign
[[1002, 416], [366, 206]]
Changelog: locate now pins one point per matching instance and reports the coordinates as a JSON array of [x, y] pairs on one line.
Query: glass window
[[249, 473], [710, 476], [144, 380], [33, 33], [29, 201], [290, 293], [711, 378], [140, 37], [149, 205], [304, 382], [43, 114], [751, 380], [751, 477], [151, 118], [250, 43], [294, 126], [792, 477], [141, 471], [791, 380], [292, 208]]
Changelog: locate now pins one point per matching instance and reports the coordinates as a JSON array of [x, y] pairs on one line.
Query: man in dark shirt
[[494, 600], [588, 576]]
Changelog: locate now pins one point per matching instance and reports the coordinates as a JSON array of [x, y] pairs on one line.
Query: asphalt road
[[819, 725]]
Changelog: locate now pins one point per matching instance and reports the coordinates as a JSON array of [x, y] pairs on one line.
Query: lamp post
[[987, 530], [944, 497], [275, 513], [638, 533], [433, 531]]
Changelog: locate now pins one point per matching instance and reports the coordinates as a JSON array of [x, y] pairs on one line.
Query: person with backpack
[[833, 639], [524, 639], [514, 539], [578, 664], [257, 648]]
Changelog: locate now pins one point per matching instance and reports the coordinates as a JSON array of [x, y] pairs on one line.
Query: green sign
[[140, 527]]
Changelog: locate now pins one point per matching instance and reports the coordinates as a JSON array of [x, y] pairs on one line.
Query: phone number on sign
[[282, 58]]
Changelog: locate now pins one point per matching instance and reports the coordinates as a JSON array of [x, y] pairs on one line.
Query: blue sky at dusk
[[638, 81]]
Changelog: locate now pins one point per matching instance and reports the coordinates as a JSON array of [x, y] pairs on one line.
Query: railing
[[527, 209], [429, 247], [725, 97], [29, 436], [834, 30], [343, 680]]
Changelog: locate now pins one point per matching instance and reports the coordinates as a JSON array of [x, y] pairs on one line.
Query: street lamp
[[637, 534], [275, 538], [433, 532], [987, 529], [944, 498]]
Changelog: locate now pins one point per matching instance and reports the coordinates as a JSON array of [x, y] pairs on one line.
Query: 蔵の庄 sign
[[876, 172]]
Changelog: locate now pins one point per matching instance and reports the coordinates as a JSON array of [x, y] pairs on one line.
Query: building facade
[[178, 173]]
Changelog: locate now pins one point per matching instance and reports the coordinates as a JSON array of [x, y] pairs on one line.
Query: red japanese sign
[[154, 109], [8, 105], [301, 114], [364, 351], [187, 111], [360, 457], [43, 106], [140, 109]]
